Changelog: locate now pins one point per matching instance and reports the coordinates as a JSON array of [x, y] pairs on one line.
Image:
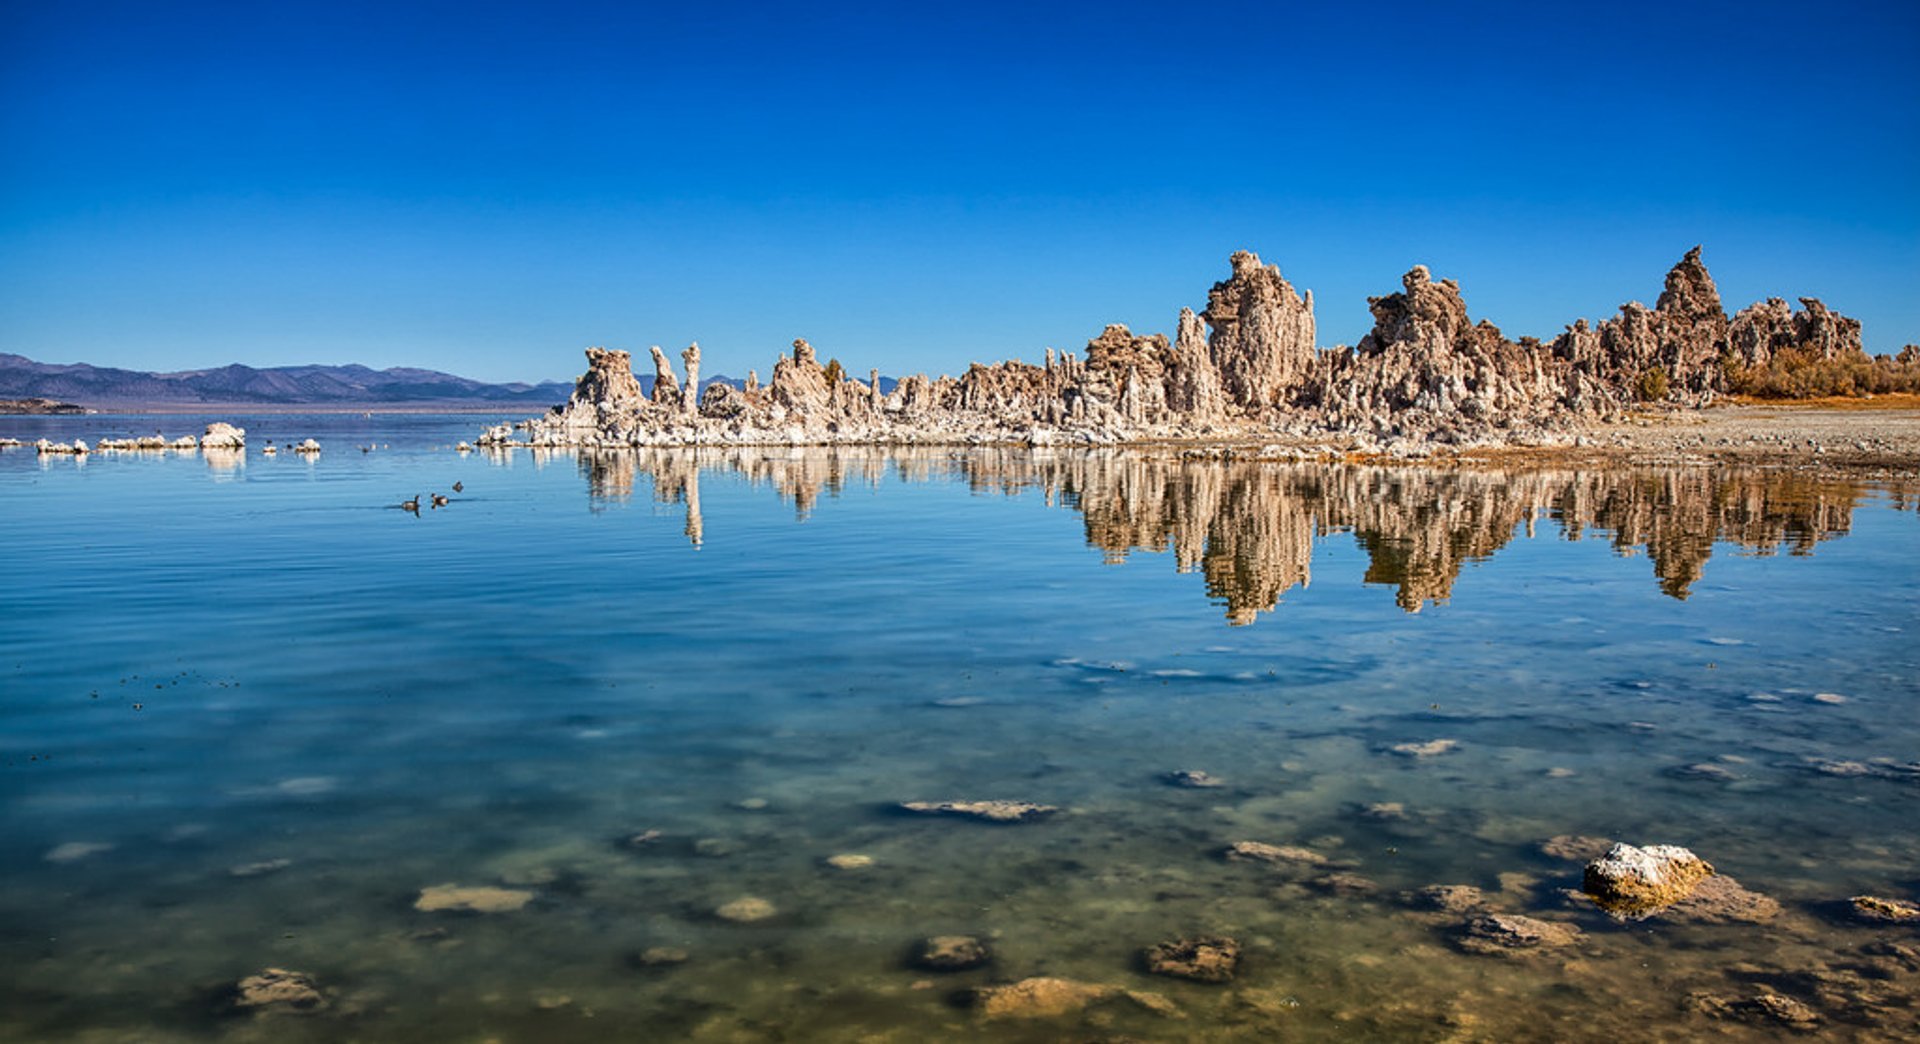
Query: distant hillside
[[100, 386]]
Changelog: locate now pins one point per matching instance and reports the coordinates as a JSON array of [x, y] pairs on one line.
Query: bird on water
[[411, 505]]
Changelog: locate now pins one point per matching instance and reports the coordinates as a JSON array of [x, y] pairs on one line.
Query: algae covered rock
[[1508, 934], [1211, 958], [477, 899], [989, 811], [1886, 911], [951, 953], [1630, 881], [279, 990]]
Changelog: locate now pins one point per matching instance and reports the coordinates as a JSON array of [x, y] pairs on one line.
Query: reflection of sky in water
[[248, 719]]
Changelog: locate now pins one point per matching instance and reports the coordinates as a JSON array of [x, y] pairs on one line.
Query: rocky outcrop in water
[[221, 435], [1630, 881], [1245, 367]]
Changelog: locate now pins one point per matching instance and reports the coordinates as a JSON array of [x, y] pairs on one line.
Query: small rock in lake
[[1762, 1007], [988, 811], [849, 861], [1345, 884], [1885, 911], [1384, 810], [1038, 998], [73, 851], [1575, 847], [1206, 959], [1193, 779], [1630, 881], [552, 1001], [661, 956], [1830, 698], [745, 910], [1431, 748], [1706, 771], [268, 866], [1261, 852], [481, 899], [1450, 898], [715, 847], [952, 953], [645, 839], [1512, 934], [1557, 772], [752, 804], [279, 990]]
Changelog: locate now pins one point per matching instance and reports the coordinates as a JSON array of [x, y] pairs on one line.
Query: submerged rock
[[1886, 911], [1037, 998], [660, 956], [949, 953], [480, 899], [1212, 958], [1511, 933], [1720, 899], [850, 861], [265, 866], [1450, 898], [1764, 1007], [989, 811], [745, 910], [1261, 852], [279, 990], [1573, 847], [1429, 749], [1632, 882], [1043, 997], [1193, 779]]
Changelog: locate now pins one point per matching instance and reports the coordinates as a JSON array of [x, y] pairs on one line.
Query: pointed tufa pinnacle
[[690, 402]]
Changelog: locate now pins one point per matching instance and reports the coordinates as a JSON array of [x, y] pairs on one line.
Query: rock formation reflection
[[1250, 527]]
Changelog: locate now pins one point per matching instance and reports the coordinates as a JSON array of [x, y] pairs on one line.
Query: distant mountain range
[[104, 387], [352, 385]]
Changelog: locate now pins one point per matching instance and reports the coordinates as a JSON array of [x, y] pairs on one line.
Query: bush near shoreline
[[1792, 374]]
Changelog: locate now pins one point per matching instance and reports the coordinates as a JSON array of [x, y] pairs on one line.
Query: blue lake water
[[250, 709]]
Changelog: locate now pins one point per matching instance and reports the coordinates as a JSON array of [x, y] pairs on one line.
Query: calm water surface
[[250, 709]]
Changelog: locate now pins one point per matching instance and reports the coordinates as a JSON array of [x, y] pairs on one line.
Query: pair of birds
[[435, 500]]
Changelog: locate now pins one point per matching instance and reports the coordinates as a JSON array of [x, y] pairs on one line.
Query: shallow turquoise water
[[214, 664]]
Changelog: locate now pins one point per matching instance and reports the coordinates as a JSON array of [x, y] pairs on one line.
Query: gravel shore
[[1853, 439]]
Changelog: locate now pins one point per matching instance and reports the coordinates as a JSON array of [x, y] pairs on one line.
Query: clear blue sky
[[488, 188]]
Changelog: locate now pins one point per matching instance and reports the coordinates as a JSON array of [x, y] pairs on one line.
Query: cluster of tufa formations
[[1247, 366]]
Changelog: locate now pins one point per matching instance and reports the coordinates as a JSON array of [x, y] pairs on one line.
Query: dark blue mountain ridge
[[237, 384]]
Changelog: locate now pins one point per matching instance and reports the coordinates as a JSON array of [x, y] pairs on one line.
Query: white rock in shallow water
[[307, 446], [221, 435], [1630, 881]]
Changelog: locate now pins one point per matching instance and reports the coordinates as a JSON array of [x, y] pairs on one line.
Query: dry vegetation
[[1795, 374]]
